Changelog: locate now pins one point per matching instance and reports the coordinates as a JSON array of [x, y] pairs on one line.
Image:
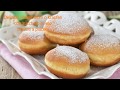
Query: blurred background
[[22, 15]]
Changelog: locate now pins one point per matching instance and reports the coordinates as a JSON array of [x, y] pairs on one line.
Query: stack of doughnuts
[[64, 60]]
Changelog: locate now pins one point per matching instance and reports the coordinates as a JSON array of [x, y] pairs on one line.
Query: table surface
[[7, 72]]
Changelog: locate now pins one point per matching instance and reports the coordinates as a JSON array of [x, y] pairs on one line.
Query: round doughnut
[[34, 42], [71, 29], [103, 50], [67, 62]]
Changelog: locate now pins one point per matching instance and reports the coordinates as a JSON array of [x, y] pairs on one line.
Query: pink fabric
[[20, 64], [25, 70], [116, 74]]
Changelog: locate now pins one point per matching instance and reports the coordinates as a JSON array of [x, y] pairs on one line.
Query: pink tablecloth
[[19, 64], [25, 70]]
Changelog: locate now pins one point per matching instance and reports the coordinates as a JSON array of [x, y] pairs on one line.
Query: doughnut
[[71, 29], [67, 62], [103, 50], [34, 42]]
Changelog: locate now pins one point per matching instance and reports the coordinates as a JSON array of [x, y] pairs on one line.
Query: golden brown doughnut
[[103, 50], [71, 29], [67, 62], [34, 42]]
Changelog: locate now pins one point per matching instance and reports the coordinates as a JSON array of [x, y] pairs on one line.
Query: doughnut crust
[[103, 50], [34, 42], [71, 29], [67, 62]]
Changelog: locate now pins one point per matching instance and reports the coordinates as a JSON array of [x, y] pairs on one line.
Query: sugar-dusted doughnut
[[71, 29], [34, 42], [67, 62], [103, 50]]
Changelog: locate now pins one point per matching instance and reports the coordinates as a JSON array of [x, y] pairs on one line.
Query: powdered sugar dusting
[[73, 54], [103, 41], [33, 35], [70, 23]]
